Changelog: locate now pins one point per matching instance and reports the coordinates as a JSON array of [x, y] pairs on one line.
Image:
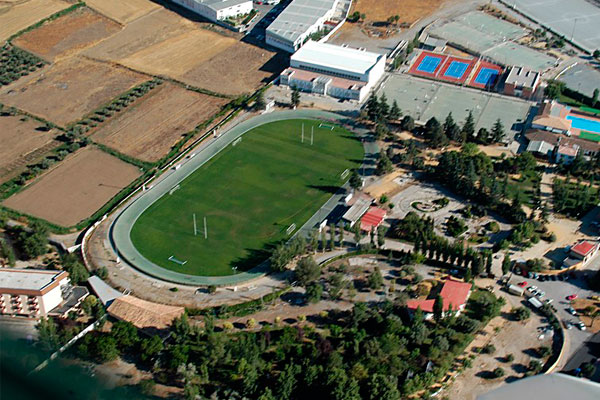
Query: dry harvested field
[[76, 188], [68, 34], [163, 43], [141, 34], [409, 11], [152, 125], [123, 11], [14, 18], [69, 89], [22, 144]]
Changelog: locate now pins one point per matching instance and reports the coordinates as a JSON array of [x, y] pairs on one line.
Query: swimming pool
[[584, 124]]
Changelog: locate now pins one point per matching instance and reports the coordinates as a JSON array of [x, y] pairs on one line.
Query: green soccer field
[[250, 194]]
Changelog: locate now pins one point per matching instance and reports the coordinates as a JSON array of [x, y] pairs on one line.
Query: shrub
[[212, 289], [488, 349], [498, 372]]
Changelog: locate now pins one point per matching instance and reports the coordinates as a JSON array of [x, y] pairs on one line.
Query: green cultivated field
[[250, 194]]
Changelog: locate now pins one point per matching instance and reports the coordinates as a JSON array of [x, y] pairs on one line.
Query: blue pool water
[[584, 124]]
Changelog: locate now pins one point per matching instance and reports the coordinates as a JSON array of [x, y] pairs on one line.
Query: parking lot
[[558, 291]]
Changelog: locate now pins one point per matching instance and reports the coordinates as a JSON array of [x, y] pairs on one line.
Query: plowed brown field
[[68, 34], [150, 127], [14, 18], [123, 11], [76, 188]]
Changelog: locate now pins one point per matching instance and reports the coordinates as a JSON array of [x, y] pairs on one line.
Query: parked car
[[522, 284], [568, 325], [596, 298], [571, 297], [532, 288], [571, 311], [554, 277], [540, 294], [581, 325]]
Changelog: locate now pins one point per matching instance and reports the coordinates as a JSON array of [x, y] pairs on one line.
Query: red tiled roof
[[583, 248], [372, 218], [453, 293]]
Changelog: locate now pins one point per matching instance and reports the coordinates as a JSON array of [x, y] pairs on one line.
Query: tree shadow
[[519, 368], [325, 188]]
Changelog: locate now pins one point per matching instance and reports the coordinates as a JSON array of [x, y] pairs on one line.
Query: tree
[[260, 103], [521, 313], [407, 123], [395, 112], [125, 334], [451, 129], [307, 271], [498, 372], [595, 97], [468, 128], [596, 54], [506, 264], [384, 108], [468, 275], [488, 263], [47, 334], [332, 236], [314, 291], [355, 180], [77, 272], [375, 279], [384, 165], [89, 304], [150, 347], [336, 285], [381, 232], [33, 242], [554, 89], [438, 308], [483, 136], [383, 388], [357, 234], [295, 97], [497, 131], [7, 255], [106, 348]]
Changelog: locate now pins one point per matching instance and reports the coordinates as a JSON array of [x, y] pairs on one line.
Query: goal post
[[290, 229], [345, 174]]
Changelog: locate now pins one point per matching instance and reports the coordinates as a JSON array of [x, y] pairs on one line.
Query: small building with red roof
[[584, 251], [372, 218], [454, 295]]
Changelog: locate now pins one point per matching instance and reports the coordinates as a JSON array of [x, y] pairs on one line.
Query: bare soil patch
[[151, 126], [22, 144], [123, 11], [14, 18], [68, 34], [76, 188], [409, 11], [69, 89]]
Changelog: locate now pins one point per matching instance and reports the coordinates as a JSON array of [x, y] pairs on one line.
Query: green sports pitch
[[250, 194]]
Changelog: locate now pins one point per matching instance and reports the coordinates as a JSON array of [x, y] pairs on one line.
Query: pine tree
[[438, 308], [384, 108], [469, 128], [395, 112], [295, 97], [506, 263], [498, 131]]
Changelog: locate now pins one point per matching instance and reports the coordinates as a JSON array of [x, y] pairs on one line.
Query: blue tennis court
[[456, 69], [429, 64], [486, 76]]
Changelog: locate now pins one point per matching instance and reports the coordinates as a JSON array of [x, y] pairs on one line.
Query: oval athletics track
[[121, 227]]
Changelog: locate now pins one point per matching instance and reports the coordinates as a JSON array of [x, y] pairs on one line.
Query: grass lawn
[[524, 187], [250, 194]]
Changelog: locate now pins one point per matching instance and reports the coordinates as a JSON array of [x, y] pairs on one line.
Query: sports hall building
[[298, 21], [336, 71], [217, 10]]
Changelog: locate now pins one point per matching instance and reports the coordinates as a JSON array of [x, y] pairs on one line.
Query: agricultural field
[[76, 86], [24, 140], [162, 43], [409, 11], [76, 188], [156, 122], [67, 34], [250, 194], [121, 11], [14, 18]]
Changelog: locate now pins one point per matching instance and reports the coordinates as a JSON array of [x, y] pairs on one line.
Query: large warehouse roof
[[29, 281], [221, 4], [337, 57], [298, 17], [547, 387]]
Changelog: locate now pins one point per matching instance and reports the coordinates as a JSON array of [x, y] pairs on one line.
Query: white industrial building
[[217, 10], [298, 21], [336, 71], [34, 292]]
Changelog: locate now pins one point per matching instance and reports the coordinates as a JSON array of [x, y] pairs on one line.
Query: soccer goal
[[173, 189], [345, 174], [236, 141], [326, 126], [176, 261], [290, 229]]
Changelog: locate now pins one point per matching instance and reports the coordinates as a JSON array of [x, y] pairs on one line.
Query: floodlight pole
[[195, 231], [205, 230]]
